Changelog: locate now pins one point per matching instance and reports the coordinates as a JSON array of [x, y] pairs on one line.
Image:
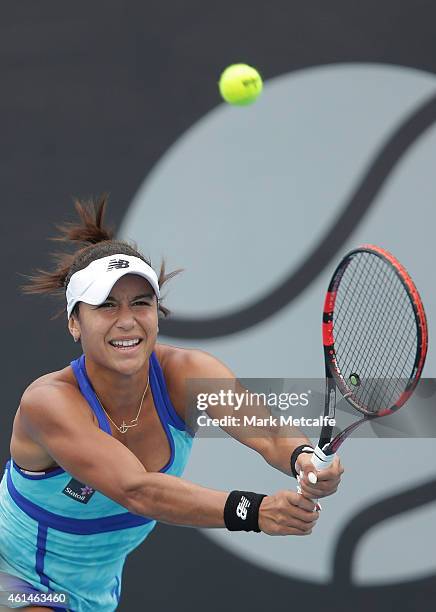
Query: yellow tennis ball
[[240, 84]]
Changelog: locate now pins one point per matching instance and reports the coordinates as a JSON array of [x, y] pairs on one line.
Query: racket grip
[[320, 460]]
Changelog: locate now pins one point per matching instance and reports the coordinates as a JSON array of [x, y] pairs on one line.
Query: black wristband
[[241, 511], [304, 448]]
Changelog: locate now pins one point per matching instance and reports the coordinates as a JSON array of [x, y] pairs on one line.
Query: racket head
[[375, 333]]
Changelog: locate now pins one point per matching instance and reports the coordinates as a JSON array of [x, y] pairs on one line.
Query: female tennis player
[[98, 448]]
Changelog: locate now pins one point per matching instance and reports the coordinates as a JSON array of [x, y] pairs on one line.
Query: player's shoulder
[[60, 381], [55, 393], [182, 363]]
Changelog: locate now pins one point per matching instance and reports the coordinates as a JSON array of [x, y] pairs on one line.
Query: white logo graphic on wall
[[263, 186]]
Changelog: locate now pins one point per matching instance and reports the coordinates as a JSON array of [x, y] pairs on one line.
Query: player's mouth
[[126, 345]]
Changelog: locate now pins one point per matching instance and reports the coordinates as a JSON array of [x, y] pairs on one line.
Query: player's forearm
[[280, 449], [177, 501]]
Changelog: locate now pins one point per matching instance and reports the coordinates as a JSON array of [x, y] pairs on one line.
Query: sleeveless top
[[58, 534]]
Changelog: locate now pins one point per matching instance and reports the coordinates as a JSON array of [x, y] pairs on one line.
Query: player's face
[[129, 312]]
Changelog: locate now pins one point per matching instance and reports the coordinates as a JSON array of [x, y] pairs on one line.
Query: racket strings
[[384, 392], [349, 299], [378, 387], [361, 316], [375, 332], [386, 328]]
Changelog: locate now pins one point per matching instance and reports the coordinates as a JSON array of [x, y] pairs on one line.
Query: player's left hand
[[327, 480]]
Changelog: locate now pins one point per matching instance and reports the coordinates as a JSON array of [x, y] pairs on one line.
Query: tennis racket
[[375, 340]]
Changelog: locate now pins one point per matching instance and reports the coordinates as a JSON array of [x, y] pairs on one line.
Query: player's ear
[[74, 328]]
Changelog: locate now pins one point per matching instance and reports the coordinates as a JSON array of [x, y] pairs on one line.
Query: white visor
[[94, 283]]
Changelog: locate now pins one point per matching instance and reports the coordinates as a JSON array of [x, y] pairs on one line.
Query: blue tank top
[[45, 516]]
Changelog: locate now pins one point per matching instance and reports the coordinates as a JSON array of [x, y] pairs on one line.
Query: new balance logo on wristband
[[117, 263], [241, 509]]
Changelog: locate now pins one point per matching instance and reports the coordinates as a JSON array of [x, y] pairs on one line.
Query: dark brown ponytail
[[92, 240]]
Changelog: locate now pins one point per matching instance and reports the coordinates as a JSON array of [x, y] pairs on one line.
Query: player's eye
[[106, 304], [142, 303]]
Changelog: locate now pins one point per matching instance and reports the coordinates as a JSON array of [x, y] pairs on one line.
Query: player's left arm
[[265, 439]]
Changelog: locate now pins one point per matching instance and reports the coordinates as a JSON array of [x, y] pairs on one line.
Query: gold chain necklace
[[124, 427]]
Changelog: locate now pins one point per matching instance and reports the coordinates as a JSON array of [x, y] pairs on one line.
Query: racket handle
[[300, 492], [320, 460]]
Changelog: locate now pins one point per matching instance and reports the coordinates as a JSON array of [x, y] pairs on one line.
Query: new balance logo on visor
[[241, 509], [117, 263]]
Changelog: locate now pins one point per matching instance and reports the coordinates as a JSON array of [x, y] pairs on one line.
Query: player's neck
[[120, 393]]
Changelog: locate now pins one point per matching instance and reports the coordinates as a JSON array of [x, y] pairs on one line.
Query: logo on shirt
[[78, 491], [114, 264]]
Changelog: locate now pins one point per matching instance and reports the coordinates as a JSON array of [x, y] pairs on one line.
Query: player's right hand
[[287, 513]]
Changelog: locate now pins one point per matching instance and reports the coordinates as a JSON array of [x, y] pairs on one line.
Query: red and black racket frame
[[334, 377]]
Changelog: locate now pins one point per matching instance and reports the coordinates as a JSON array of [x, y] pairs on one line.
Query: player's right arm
[[52, 417]]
